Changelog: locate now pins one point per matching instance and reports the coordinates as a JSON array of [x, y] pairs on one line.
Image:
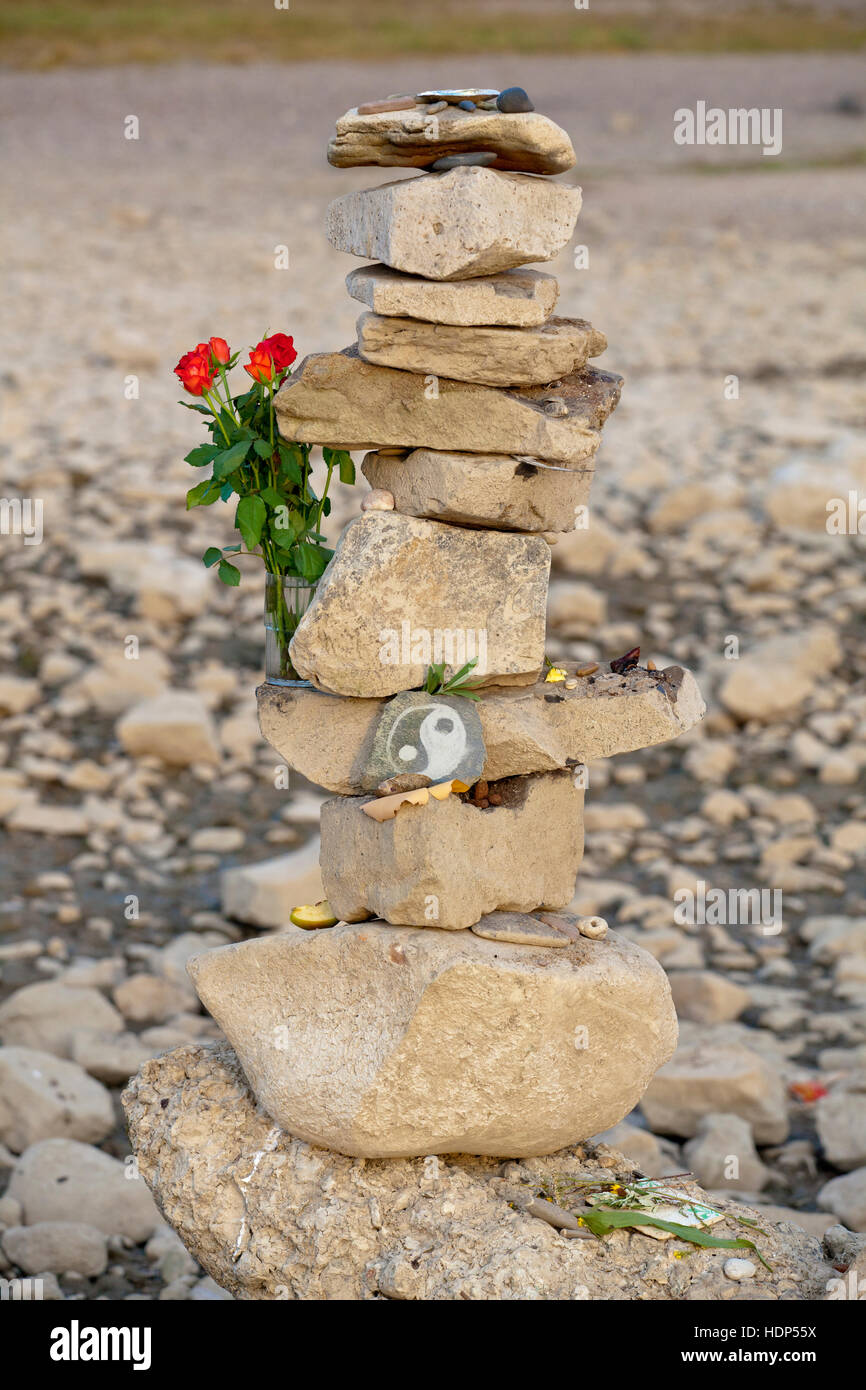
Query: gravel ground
[[708, 523]]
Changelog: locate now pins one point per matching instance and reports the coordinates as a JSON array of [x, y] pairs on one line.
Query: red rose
[[196, 370], [270, 357], [282, 350], [218, 346]]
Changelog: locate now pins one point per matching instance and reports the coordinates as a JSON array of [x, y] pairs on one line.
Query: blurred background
[[730, 287]]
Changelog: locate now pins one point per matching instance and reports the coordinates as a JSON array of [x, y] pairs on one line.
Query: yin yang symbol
[[437, 747]]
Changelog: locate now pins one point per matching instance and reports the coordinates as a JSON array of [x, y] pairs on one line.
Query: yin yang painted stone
[[436, 736]]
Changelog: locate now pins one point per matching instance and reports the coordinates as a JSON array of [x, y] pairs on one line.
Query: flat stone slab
[[385, 1042], [240, 1193], [538, 729], [336, 398], [452, 226], [524, 141], [489, 356], [497, 491], [448, 863], [434, 736], [518, 929], [516, 298], [402, 593]]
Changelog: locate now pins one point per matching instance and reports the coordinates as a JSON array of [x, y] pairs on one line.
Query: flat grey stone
[[438, 736], [518, 929]]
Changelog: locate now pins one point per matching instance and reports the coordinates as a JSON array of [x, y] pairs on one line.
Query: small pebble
[[514, 99], [739, 1269], [467, 105], [588, 670], [571, 683], [435, 107], [593, 927], [378, 500]]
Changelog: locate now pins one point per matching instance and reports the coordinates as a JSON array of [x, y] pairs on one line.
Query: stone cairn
[[455, 1007]]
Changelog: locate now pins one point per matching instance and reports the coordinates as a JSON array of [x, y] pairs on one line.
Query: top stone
[[526, 141], [470, 221]]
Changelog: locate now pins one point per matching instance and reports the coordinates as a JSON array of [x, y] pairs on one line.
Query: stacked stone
[[411, 1034]]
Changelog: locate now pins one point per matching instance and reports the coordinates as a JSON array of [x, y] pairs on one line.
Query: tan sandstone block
[[526, 141], [338, 399], [518, 298], [388, 1042], [448, 863], [397, 585], [327, 738], [491, 490], [489, 356], [470, 221]]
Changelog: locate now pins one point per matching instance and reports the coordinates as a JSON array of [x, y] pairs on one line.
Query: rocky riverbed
[[729, 303]]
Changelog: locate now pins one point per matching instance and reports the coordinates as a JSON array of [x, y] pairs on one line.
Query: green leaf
[[226, 491], [292, 462], [203, 454], [347, 468], [463, 672], [229, 459], [190, 405], [250, 517], [601, 1221], [272, 496], [202, 495], [262, 448], [435, 676], [312, 560], [229, 574], [212, 556]]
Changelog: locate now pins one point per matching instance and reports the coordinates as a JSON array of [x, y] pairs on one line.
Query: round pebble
[[740, 1269], [593, 927], [378, 499], [514, 99], [466, 105]]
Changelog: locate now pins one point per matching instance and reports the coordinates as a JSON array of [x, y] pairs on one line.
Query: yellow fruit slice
[[385, 807], [458, 786], [310, 917], [556, 674]]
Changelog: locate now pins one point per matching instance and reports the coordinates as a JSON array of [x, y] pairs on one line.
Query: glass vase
[[287, 599]]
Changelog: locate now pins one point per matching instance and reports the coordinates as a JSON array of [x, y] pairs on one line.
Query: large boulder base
[[495, 491], [447, 863], [390, 1042], [525, 141], [469, 221], [337, 399], [328, 738], [489, 356], [517, 298], [241, 1195], [395, 582]]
